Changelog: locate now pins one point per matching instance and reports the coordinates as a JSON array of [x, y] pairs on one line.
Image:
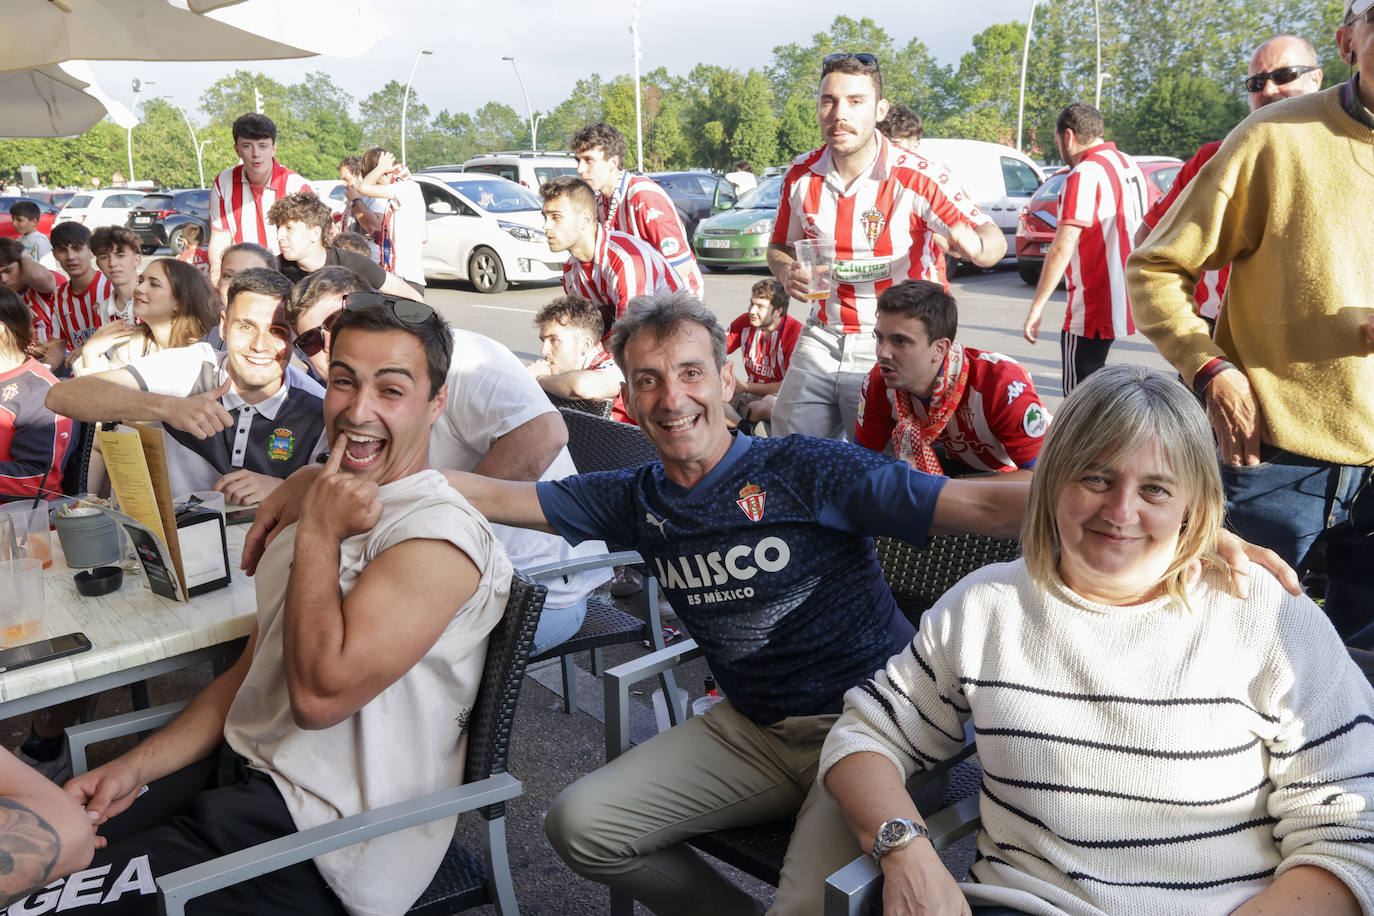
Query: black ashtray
[[99, 581]]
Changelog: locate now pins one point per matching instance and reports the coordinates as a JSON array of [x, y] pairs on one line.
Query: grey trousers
[[624, 824]]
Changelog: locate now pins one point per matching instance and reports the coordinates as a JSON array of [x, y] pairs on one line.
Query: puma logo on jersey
[[659, 523]]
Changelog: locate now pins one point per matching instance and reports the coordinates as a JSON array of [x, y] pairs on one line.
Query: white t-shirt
[[490, 394], [408, 222], [408, 740]]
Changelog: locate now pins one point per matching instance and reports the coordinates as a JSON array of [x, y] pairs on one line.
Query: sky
[[557, 42]]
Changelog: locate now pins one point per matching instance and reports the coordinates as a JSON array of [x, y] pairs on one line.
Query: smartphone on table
[[43, 650]]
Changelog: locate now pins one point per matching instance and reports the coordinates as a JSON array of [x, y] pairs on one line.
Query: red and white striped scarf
[[276, 181], [914, 435], [387, 244]]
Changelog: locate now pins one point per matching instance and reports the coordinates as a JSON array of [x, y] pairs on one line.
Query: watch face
[[894, 832]]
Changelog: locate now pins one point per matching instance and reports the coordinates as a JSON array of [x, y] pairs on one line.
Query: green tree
[[1180, 112], [985, 88], [755, 132], [585, 105], [497, 127], [380, 117]]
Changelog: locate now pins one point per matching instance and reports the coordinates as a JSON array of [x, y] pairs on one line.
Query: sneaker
[[670, 634], [627, 582], [58, 770]]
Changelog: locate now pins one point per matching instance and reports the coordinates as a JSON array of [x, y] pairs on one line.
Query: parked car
[[57, 198], [101, 207], [47, 215], [530, 168], [486, 230], [331, 192], [696, 195], [1039, 218], [1000, 179], [739, 236], [159, 219]]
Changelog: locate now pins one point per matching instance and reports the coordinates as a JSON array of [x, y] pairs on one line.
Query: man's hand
[[1240, 553], [201, 415], [1368, 329], [1234, 413], [106, 791], [280, 509], [340, 505], [247, 488], [1031, 330], [386, 162], [917, 883], [796, 281], [964, 242], [540, 368]]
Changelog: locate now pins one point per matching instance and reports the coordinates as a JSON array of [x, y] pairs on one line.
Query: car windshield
[[496, 195], [763, 197], [1050, 189], [154, 202]]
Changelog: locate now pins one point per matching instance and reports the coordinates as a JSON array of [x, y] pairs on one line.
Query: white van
[[1000, 179], [526, 167]]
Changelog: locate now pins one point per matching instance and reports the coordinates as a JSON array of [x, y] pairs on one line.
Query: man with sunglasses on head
[[1282, 67], [883, 207], [497, 422], [238, 421], [1286, 377]]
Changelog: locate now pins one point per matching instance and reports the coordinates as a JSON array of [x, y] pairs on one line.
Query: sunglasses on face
[[1281, 77], [408, 311]]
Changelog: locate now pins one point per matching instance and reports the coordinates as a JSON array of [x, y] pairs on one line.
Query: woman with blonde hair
[[175, 305], [1151, 742]]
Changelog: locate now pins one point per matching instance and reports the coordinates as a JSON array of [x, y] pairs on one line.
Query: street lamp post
[[138, 85], [533, 142], [1025, 56], [528, 110], [195, 141], [1101, 77], [405, 101], [1097, 25], [200, 153], [639, 120]]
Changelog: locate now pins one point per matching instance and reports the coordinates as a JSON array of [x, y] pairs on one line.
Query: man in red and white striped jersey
[[767, 335], [1282, 67], [572, 362], [608, 267], [82, 304], [242, 195], [1100, 206], [37, 286], [634, 204], [883, 207]]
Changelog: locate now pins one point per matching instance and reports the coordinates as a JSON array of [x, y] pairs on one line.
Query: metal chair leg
[[569, 684], [498, 867]]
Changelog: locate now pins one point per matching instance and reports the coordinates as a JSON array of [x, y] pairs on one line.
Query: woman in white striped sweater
[[1151, 743]]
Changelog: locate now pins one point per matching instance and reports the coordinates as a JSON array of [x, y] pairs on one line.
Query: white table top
[[133, 626]]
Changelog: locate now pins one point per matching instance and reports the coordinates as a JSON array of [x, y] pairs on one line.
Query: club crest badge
[[874, 221], [281, 444], [750, 501], [11, 392]]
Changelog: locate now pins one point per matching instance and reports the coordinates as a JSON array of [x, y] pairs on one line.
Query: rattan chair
[[464, 879], [77, 465], [917, 577], [598, 444], [597, 407]]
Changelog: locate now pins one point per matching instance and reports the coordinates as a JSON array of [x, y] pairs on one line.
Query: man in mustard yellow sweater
[[1289, 379]]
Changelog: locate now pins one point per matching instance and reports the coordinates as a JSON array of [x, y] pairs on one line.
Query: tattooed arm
[[44, 834]]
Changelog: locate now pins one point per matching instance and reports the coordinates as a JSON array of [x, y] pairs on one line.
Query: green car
[[739, 236]]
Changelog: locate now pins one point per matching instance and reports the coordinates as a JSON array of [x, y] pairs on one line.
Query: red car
[[1039, 218], [47, 216]]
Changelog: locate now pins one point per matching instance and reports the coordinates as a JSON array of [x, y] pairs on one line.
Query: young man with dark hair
[[303, 223], [333, 678], [119, 255], [607, 266], [238, 421], [768, 336], [25, 216], [84, 303], [37, 286], [402, 234], [361, 214], [1100, 206], [572, 363], [633, 204], [883, 207], [946, 408], [903, 127], [241, 196]]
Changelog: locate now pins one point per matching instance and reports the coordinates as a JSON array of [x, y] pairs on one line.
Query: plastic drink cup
[[21, 601], [32, 534], [817, 259]]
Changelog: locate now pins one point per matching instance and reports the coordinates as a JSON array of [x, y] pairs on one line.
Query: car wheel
[[486, 271], [176, 242], [718, 268], [1029, 271]]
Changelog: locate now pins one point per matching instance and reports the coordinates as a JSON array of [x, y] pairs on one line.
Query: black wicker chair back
[[598, 444], [919, 576], [597, 407], [78, 460]]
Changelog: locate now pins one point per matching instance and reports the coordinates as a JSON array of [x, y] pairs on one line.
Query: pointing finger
[[336, 456]]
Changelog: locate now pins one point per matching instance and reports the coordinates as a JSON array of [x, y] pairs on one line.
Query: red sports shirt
[[623, 267], [199, 258], [884, 226], [603, 360], [640, 207], [79, 314], [240, 208], [43, 307], [999, 425], [766, 353], [1105, 196], [1211, 286]]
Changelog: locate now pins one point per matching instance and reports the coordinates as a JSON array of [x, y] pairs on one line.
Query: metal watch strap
[[911, 831]]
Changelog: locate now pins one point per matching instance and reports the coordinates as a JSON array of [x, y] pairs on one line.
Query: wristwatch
[[895, 834]]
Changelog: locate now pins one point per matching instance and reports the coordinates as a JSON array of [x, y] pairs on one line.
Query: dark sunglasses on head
[[1281, 77], [406, 310], [868, 60]]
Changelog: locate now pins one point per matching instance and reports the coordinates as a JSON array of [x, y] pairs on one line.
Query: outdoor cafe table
[[134, 633]]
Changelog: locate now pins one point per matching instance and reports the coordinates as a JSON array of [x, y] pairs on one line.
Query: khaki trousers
[[624, 825]]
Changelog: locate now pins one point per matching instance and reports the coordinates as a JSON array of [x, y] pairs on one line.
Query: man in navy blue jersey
[[762, 546]]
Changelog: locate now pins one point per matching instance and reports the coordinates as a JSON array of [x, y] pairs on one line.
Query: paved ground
[[550, 749]]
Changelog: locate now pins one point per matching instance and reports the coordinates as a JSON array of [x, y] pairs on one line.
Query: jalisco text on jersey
[[704, 570]]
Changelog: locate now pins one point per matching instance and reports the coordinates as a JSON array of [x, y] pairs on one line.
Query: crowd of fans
[[1165, 723]]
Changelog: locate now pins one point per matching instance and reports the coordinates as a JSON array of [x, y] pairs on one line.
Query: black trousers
[[1082, 356], [212, 807]]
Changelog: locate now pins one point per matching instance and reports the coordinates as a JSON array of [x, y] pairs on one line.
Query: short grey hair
[[1119, 410], [665, 315]]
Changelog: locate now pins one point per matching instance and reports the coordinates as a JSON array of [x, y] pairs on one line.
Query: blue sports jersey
[[768, 560]]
